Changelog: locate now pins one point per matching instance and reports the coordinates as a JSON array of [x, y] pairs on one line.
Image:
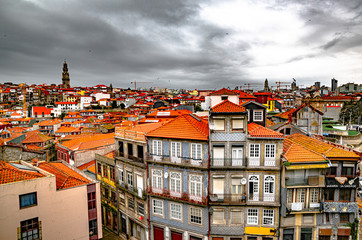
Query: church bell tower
[[65, 76]]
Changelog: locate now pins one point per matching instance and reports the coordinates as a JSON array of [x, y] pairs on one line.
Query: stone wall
[[15, 153]]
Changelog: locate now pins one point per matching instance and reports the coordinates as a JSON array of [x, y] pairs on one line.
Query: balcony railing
[[305, 181], [227, 198], [331, 182], [185, 197], [180, 160], [227, 162], [340, 207], [304, 207]]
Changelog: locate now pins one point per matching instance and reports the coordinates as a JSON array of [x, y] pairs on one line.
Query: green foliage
[[62, 115], [351, 110], [354, 228]]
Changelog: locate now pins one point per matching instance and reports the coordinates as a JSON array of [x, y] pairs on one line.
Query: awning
[[344, 232], [325, 232], [307, 166]]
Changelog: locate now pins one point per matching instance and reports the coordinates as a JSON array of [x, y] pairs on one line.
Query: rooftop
[[258, 131], [10, 172]]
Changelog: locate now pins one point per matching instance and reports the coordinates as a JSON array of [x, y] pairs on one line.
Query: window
[[270, 154], [140, 151], [130, 203], [314, 195], [269, 185], [252, 216], [120, 149], [332, 171], [235, 217], [196, 150], [258, 115], [99, 168], [329, 194], [121, 176], [219, 124], [93, 228], [176, 211], [237, 124], [218, 216], [344, 217], [157, 147], [122, 199], [113, 197], [301, 195], [175, 149], [254, 188], [157, 207], [237, 156], [130, 149], [196, 185], [268, 217], [344, 194], [157, 178], [347, 171], [141, 208], [254, 154], [195, 215], [28, 200], [106, 193], [218, 155], [129, 178], [111, 173], [29, 229], [105, 171], [289, 195], [236, 185], [91, 200], [175, 182], [223, 98]]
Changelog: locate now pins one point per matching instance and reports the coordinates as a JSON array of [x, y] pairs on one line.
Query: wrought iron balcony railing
[[184, 197]]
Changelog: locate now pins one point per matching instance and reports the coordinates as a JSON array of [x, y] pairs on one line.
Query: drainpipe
[[147, 198]]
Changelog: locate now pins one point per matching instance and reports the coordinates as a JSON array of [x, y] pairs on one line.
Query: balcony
[[304, 207], [182, 197], [227, 162], [340, 207], [349, 182], [227, 198], [311, 181], [182, 161]]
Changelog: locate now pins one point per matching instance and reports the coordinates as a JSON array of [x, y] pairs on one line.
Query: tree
[[354, 228], [114, 104], [351, 111]]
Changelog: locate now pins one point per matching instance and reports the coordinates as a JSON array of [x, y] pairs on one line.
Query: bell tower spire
[[65, 75]]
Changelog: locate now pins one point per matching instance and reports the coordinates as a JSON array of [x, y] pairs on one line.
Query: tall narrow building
[[65, 76]]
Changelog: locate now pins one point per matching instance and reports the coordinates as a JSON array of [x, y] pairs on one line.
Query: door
[[176, 236], [139, 185], [158, 233], [254, 188], [237, 157]]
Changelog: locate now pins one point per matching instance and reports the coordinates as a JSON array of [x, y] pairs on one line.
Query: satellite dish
[[243, 181], [166, 174]]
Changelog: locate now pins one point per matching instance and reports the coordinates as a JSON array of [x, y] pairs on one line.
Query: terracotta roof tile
[[183, 127], [65, 176], [256, 130], [294, 152], [9, 174], [35, 137], [227, 107], [224, 91], [90, 141], [87, 165]]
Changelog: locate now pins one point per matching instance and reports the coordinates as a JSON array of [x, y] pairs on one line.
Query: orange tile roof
[[224, 91], [227, 107], [256, 130], [49, 122], [183, 127], [65, 129], [285, 115], [89, 141], [294, 152], [87, 165], [35, 137], [65, 176], [9, 173], [269, 122], [145, 128], [110, 155], [320, 147]]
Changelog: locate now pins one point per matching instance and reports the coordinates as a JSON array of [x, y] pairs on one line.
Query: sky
[[189, 44]]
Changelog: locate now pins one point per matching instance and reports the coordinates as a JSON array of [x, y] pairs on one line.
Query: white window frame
[[237, 154], [258, 118], [269, 188], [252, 216], [301, 195], [157, 205], [157, 147], [255, 180], [195, 187], [196, 151], [197, 213], [314, 195], [175, 151], [129, 178], [157, 180], [176, 211], [289, 195], [121, 175], [268, 217], [254, 154], [270, 154], [175, 183]]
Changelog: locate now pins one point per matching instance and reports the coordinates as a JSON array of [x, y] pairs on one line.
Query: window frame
[[193, 220], [194, 153], [223, 221], [233, 125], [231, 216], [219, 128], [157, 147], [30, 225], [175, 150], [268, 216], [195, 186], [261, 116], [161, 208], [254, 218], [32, 204], [175, 183], [172, 210], [156, 180]]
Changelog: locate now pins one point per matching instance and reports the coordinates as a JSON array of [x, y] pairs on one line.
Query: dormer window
[[258, 115]]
